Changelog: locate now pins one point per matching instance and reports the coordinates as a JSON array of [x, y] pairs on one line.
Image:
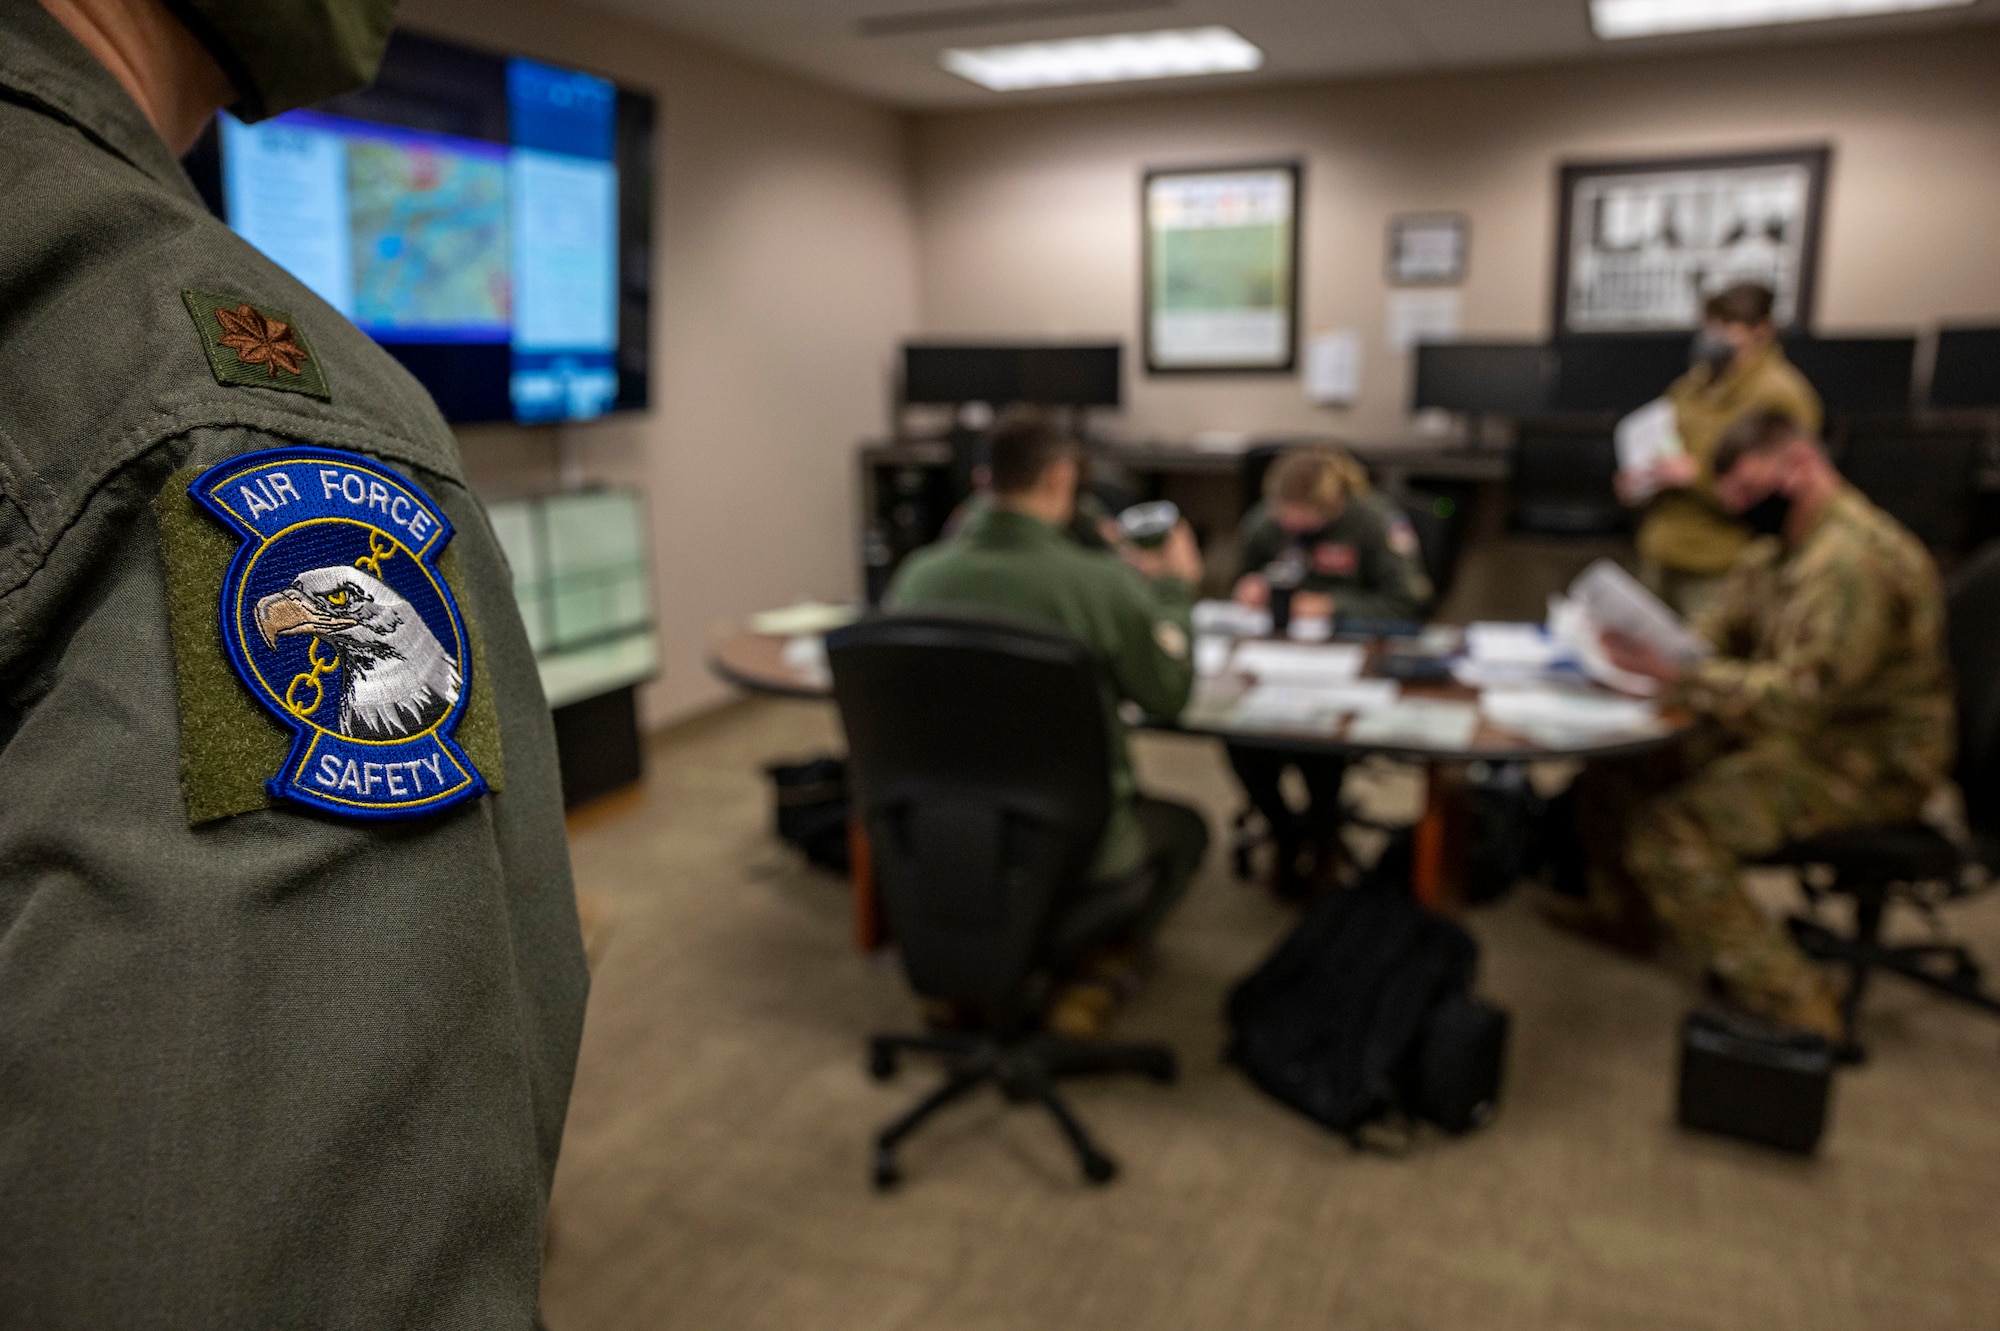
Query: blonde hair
[[1318, 478]]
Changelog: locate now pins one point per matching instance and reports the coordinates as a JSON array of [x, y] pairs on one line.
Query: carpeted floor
[[714, 1175]]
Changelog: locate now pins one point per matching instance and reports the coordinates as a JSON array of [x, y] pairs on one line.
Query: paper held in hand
[[1644, 438], [1604, 596]]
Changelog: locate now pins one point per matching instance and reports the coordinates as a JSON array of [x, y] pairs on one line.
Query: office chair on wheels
[[981, 760], [1913, 863]]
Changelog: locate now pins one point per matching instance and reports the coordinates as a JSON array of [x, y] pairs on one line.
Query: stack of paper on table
[[1567, 718], [1417, 724], [1300, 663], [1314, 707], [806, 654], [1211, 654], [805, 617], [1238, 621], [1498, 653]]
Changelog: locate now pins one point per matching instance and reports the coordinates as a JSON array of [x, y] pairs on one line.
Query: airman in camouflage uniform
[[1831, 706]]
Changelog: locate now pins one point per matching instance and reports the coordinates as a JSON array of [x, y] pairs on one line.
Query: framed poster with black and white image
[[1641, 244], [1221, 269]]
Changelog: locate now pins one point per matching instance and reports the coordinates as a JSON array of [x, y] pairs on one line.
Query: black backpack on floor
[[1365, 1011], [811, 812]]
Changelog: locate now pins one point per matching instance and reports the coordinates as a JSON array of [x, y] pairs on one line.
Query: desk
[[756, 662]]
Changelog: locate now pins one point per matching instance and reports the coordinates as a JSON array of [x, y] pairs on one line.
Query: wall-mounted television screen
[[485, 218]]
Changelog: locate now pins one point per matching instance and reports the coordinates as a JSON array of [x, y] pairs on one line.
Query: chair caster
[[1099, 1169], [886, 1174], [881, 1062]]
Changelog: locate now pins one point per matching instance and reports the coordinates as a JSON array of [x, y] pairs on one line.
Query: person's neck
[[1809, 504], [170, 76], [1044, 508], [1748, 357]]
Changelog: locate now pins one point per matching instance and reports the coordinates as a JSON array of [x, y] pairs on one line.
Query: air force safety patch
[[337, 620]]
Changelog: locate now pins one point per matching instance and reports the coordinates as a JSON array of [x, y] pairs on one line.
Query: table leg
[[1437, 875], [869, 932]]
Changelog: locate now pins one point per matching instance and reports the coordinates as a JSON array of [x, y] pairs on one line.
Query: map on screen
[[430, 237], [433, 241]]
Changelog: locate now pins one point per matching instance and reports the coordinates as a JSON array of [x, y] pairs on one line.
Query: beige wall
[[1028, 219], [783, 282]]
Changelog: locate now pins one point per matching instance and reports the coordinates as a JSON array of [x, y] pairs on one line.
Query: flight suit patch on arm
[[308, 592], [255, 346]]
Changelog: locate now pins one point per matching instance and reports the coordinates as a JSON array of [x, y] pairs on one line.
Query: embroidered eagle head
[[398, 679]]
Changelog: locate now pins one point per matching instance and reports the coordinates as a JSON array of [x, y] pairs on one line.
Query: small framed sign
[[1428, 249], [1221, 278]]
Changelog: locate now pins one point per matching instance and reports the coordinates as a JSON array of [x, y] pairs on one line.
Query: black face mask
[[1768, 515], [1712, 350]]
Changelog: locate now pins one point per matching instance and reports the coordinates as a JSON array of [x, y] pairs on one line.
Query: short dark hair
[[1742, 303], [1024, 445], [1757, 431]]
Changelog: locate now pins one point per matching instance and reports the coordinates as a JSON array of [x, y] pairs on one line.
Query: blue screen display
[[431, 240]]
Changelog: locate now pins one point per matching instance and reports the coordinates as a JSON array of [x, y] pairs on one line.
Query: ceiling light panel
[[1133, 55], [1615, 19]]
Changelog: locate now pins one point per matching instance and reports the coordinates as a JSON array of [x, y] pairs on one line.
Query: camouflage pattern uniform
[[1688, 542], [1832, 707]]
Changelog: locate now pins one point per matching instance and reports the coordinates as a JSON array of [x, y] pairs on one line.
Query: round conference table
[[773, 665]]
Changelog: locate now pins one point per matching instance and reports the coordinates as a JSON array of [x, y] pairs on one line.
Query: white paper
[[1421, 316], [1417, 724], [1645, 437], [1227, 617], [1571, 623], [1496, 643], [1333, 367], [1309, 628], [805, 617], [1211, 653], [1570, 710], [1614, 599], [1300, 663], [1311, 707], [805, 656]]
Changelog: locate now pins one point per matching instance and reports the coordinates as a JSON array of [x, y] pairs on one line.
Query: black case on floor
[[1459, 1062], [1746, 1079]]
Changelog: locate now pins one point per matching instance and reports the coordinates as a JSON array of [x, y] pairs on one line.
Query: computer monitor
[[1056, 376], [486, 218], [1967, 374], [1860, 374], [1073, 376], [1508, 378], [1617, 372]]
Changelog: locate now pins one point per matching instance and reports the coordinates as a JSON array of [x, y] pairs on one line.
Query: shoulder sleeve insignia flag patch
[[255, 346], [337, 620]]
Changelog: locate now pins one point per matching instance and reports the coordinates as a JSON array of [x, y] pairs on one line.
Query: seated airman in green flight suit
[[1013, 557], [1342, 550]]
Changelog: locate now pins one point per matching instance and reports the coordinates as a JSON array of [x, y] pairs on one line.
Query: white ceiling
[[841, 41]]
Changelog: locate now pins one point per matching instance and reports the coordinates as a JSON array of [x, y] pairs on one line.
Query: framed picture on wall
[[1428, 249], [1221, 269], [1641, 244]]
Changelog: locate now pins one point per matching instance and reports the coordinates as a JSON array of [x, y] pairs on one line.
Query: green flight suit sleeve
[[1152, 661], [1259, 541], [1837, 626], [1393, 582]]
